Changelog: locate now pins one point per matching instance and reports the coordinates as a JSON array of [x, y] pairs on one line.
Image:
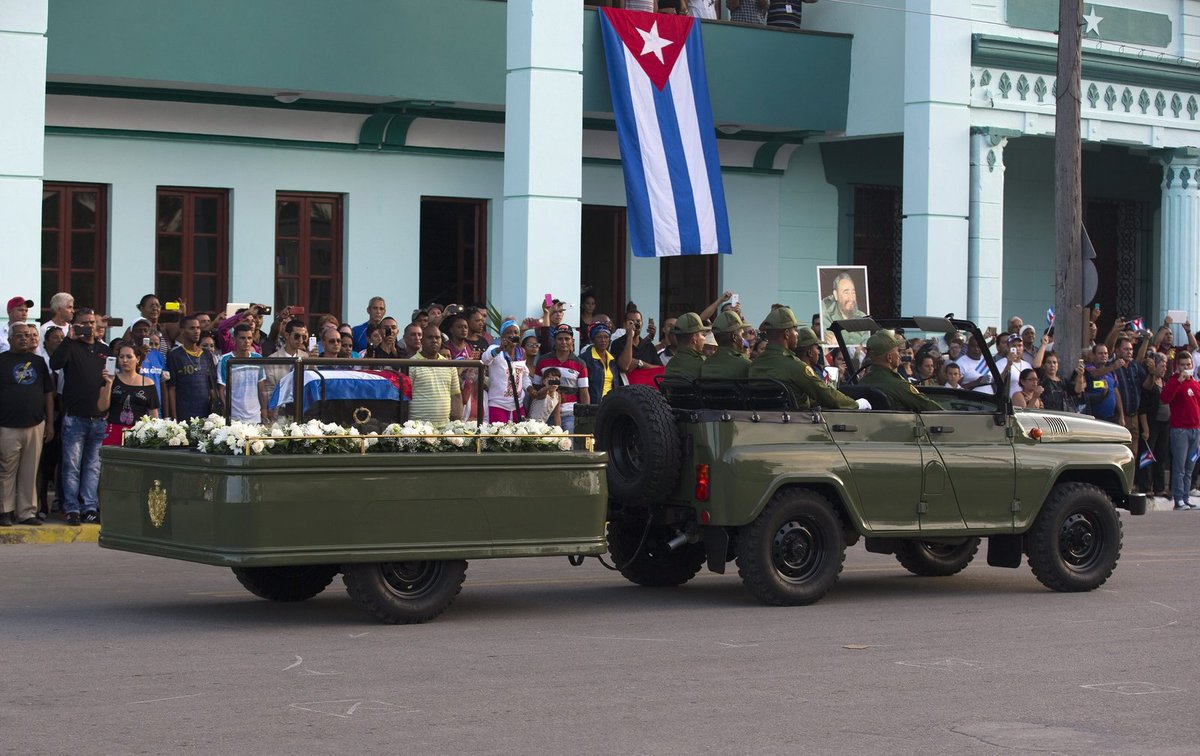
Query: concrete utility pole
[[1068, 212]]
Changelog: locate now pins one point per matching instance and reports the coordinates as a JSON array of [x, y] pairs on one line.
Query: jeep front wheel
[[655, 565], [933, 559], [793, 551], [1075, 541], [405, 593]]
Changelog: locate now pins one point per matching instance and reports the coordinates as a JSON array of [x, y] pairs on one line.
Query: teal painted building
[[299, 152]]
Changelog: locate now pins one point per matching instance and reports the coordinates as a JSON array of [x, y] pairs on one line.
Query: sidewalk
[[53, 530]]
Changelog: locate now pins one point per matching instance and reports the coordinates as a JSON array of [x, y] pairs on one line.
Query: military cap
[[808, 337], [689, 322], [882, 342], [780, 319], [728, 322]]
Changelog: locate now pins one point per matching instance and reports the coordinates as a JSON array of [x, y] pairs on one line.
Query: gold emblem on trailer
[[156, 504]]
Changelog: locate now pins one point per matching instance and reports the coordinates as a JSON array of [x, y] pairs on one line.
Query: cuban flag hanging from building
[[665, 128]]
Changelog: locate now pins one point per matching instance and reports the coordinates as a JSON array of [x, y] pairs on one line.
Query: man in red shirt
[[573, 372], [1182, 393]]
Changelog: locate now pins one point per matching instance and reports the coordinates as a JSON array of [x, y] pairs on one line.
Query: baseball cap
[[689, 322], [562, 328], [18, 301], [728, 322], [808, 337], [780, 319], [882, 342], [1012, 338]]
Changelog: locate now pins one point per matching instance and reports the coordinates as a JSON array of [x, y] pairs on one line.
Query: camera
[[116, 322], [83, 331], [387, 330], [553, 383]]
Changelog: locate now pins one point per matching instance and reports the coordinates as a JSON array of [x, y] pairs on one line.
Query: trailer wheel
[[405, 593], [286, 583]]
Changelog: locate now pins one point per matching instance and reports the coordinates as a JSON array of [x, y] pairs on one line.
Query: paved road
[[104, 652]]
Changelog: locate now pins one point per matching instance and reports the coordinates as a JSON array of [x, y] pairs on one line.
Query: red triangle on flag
[[655, 40]]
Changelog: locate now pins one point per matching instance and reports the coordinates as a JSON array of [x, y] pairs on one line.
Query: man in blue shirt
[[376, 310]]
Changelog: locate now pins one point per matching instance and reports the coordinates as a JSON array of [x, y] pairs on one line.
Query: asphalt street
[[104, 652]]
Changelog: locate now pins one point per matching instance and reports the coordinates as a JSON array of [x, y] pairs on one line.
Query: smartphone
[[146, 342], [735, 300], [172, 306], [297, 311], [312, 343], [264, 309], [110, 365], [548, 301], [1178, 317], [115, 322], [1012, 352]]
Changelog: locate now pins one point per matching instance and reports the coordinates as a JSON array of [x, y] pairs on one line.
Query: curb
[[48, 533]]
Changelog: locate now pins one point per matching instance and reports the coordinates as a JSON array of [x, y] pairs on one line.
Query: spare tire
[[635, 426]]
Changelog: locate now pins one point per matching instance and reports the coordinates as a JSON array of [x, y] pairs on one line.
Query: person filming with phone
[[1182, 393], [81, 359], [127, 394]]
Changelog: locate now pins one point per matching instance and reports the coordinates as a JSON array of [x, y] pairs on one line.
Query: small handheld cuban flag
[[1137, 324], [665, 129], [1049, 317], [1195, 456], [1147, 459]]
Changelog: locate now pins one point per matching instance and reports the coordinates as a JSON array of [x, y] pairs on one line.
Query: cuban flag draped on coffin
[[665, 129]]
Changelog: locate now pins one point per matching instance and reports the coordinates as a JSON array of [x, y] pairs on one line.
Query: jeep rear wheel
[[933, 559], [297, 583], [1075, 541], [793, 551], [405, 593], [656, 565]]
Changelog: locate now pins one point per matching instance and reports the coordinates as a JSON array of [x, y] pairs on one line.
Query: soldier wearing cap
[[729, 361], [884, 350], [780, 362], [690, 333]]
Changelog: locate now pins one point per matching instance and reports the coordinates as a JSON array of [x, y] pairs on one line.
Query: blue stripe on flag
[[694, 49], [637, 195], [681, 183]]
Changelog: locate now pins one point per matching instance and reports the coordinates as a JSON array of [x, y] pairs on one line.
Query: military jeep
[[708, 472]]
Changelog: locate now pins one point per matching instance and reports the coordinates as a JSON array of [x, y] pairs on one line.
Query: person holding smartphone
[[127, 394], [508, 375], [81, 359], [1182, 393]]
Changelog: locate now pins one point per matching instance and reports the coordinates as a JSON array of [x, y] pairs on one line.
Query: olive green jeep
[[713, 471]]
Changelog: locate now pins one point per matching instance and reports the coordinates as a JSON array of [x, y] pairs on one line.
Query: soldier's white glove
[[863, 404]]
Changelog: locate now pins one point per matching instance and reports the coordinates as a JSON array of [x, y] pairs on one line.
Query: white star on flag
[[653, 42], [1093, 22]]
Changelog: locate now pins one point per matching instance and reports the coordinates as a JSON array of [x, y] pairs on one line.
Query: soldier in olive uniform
[[689, 331], [884, 350], [729, 361], [780, 362]]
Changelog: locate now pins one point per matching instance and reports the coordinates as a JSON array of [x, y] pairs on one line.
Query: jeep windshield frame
[[928, 324]]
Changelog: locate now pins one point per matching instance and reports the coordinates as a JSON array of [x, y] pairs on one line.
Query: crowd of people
[[65, 390]]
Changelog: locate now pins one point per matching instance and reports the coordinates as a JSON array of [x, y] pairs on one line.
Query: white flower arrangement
[[156, 433], [213, 435]]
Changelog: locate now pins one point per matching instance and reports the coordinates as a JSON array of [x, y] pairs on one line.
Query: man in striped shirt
[[437, 396]]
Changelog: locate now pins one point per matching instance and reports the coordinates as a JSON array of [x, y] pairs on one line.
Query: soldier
[[730, 361], [779, 361], [884, 350], [689, 332]]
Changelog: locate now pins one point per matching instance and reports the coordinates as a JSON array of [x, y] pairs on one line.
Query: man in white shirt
[[975, 373], [62, 312], [1012, 363], [703, 8], [248, 395]]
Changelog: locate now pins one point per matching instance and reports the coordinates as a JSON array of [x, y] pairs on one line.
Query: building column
[[985, 243], [937, 58], [543, 157], [22, 139], [1178, 268]]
